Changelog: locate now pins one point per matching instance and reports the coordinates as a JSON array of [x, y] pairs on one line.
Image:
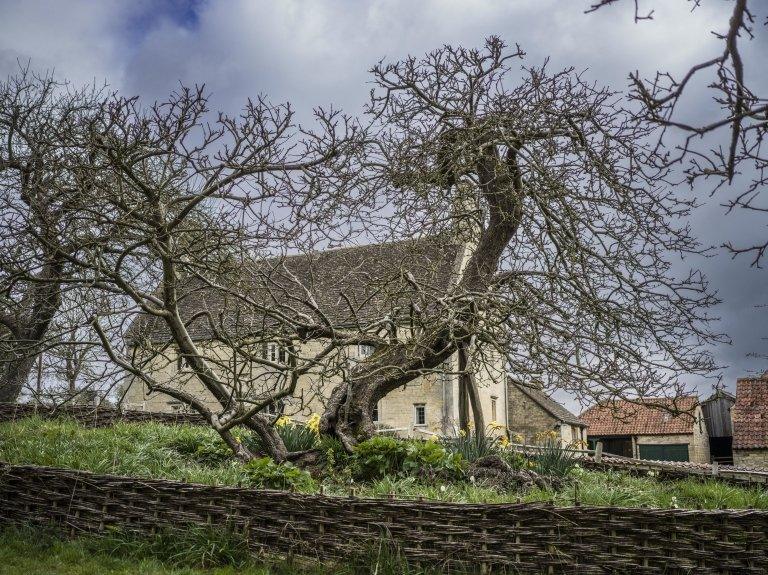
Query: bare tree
[[39, 197], [569, 275], [733, 142], [526, 221], [179, 209]]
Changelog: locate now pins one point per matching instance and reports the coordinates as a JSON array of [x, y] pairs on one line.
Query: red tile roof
[[644, 416], [750, 413]]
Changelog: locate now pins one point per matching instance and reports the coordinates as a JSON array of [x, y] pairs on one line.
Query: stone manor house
[[354, 285]]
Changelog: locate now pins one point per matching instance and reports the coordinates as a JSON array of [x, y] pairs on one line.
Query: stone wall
[[697, 442], [757, 458], [526, 417], [438, 392]]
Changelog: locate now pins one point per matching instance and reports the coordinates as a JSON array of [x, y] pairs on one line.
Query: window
[[493, 408], [420, 414], [376, 412], [364, 350], [276, 353]]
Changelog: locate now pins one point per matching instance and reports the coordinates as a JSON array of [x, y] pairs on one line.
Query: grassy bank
[[28, 551], [195, 454]]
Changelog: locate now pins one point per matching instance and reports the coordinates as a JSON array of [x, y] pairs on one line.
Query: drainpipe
[[506, 406]]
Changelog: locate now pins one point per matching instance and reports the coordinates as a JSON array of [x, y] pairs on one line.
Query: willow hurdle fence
[[92, 416], [518, 538]]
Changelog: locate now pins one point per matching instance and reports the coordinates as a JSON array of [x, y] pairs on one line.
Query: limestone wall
[[757, 458], [438, 392]]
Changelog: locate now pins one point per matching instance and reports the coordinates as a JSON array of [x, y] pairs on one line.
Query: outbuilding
[[663, 429], [750, 422], [532, 414]]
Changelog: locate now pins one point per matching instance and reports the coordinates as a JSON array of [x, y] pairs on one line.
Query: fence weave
[[93, 416], [528, 538]]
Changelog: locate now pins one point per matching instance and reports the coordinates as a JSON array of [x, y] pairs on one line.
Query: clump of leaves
[[333, 452], [296, 436], [377, 457], [552, 459], [194, 546], [429, 456], [203, 448], [514, 459], [263, 472], [472, 447], [382, 456]]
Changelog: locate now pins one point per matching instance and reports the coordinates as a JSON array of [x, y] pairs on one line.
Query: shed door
[[674, 452]]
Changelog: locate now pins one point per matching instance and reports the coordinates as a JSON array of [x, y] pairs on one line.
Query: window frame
[[417, 407]]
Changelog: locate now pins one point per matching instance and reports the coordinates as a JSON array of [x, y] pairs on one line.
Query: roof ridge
[[338, 249]]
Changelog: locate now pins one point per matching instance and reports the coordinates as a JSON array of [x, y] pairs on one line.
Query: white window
[[364, 350], [493, 408], [276, 353], [375, 416], [419, 414]]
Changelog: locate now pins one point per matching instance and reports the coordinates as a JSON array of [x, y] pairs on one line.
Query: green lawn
[[152, 450], [28, 551]]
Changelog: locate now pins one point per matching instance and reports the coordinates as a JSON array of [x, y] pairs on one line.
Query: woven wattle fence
[[524, 538], [93, 416]]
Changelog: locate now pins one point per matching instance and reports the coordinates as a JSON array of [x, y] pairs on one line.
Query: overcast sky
[[318, 52]]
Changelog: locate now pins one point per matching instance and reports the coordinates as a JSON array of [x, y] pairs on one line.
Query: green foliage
[[28, 551], [552, 459], [431, 456], [205, 449], [514, 459], [472, 447], [334, 454], [377, 457], [265, 473], [297, 437], [169, 452], [381, 456], [133, 449], [197, 546]]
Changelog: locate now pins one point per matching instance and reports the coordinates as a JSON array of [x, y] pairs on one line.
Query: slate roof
[[645, 416], [750, 413], [548, 404], [350, 285]]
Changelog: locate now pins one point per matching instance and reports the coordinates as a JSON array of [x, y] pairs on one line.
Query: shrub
[[377, 457], [265, 473], [431, 456], [383, 456]]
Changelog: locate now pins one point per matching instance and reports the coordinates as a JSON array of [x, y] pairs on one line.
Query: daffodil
[[313, 423], [282, 421]]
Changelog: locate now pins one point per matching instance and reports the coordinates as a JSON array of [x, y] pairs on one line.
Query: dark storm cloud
[[317, 53]]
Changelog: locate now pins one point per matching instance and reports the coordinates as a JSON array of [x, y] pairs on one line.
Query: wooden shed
[[717, 415]]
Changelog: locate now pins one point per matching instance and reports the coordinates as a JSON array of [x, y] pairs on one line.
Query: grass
[[162, 451], [28, 551], [134, 449]]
